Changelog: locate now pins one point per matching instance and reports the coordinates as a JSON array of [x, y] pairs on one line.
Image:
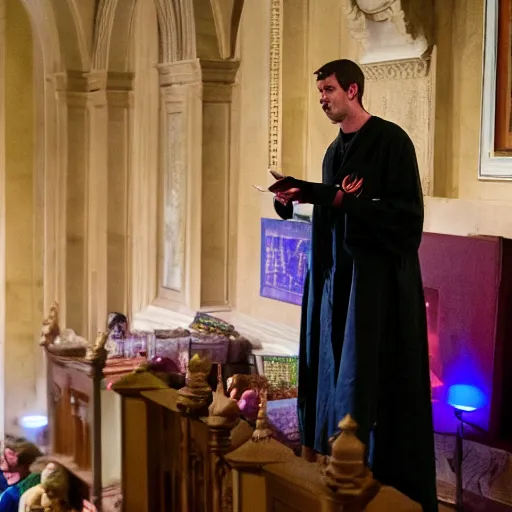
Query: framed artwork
[[503, 117], [496, 126]]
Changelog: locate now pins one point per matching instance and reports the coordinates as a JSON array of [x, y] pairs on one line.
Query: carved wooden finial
[[346, 475], [220, 381], [223, 411], [263, 430], [50, 328], [196, 395], [96, 352]]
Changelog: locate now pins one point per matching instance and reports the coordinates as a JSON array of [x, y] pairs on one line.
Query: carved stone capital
[[182, 72], [77, 81], [219, 71], [96, 80], [120, 99], [119, 81], [397, 70], [193, 71]]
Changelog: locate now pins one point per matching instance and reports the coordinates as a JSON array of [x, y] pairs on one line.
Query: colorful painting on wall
[[284, 259]]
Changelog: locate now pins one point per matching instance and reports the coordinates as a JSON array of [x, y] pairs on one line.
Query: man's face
[[9, 466], [336, 103]]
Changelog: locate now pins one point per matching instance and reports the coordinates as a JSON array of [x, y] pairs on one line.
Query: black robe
[[363, 345]]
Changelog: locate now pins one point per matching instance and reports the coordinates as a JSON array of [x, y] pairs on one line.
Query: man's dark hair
[[346, 72], [26, 451]]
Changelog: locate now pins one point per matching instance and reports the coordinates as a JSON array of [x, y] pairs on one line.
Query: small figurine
[[50, 328], [196, 396], [117, 326], [52, 494]]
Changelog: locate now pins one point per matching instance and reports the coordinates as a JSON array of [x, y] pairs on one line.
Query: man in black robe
[[363, 347]]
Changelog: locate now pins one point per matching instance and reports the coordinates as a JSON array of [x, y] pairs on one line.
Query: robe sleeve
[[393, 221], [284, 211]]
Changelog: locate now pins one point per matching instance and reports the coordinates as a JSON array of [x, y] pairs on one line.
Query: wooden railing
[[74, 377], [174, 443], [188, 450]]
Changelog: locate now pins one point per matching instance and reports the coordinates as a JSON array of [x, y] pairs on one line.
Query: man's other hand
[[292, 194]]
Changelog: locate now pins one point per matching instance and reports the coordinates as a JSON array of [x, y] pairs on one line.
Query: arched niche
[[195, 41], [33, 162]]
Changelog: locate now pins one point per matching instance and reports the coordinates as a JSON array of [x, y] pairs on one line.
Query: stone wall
[[437, 100]]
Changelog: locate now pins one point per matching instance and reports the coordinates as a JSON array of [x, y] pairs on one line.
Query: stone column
[[120, 106], [86, 201], [218, 79], [195, 108], [2, 210]]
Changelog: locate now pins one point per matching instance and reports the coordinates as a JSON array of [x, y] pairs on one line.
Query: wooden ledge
[[267, 338], [166, 398]]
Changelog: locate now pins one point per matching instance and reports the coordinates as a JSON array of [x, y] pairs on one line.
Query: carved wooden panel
[[74, 414]]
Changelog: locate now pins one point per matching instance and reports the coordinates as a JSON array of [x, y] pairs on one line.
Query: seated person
[[18, 455]]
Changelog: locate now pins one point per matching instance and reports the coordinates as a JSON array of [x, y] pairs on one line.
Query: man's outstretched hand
[[290, 189], [292, 194]]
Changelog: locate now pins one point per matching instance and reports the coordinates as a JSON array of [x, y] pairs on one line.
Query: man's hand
[[291, 189], [292, 194]]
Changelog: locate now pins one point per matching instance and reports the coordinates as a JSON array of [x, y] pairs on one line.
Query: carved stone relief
[[174, 190], [396, 36], [390, 29], [274, 141], [402, 92]]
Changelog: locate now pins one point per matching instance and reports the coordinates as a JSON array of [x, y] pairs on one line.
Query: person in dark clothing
[[15, 462], [363, 345]]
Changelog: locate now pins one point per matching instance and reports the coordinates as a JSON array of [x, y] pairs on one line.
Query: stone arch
[[178, 22], [217, 23], [60, 48], [57, 47], [113, 29], [56, 26]]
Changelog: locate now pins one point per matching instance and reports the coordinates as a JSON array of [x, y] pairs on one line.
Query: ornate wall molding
[[413, 18], [397, 70], [274, 137], [402, 92], [391, 29]]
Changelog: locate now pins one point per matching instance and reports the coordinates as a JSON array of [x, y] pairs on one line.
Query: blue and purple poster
[[285, 249]]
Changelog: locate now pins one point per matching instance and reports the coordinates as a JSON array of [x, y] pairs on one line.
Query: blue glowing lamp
[[34, 427], [463, 398], [466, 398], [33, 422]]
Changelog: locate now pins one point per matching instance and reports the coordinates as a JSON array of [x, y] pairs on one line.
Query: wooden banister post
[[136, 431], [346, 474], [223, 417], [193, 400], [196, 395], [248, 461]]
